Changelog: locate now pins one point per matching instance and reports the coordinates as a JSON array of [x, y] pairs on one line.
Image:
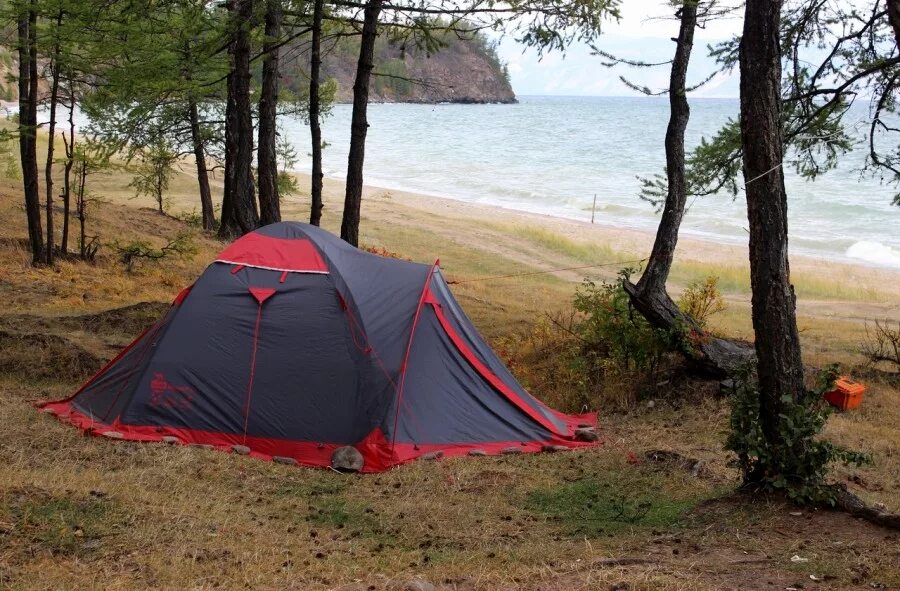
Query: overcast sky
[[637, 36]]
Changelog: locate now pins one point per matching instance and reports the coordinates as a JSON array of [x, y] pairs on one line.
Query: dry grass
[[79, 512]]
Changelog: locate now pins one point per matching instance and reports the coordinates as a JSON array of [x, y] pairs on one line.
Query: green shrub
[[611, 331], [600, 354], [798, 465]]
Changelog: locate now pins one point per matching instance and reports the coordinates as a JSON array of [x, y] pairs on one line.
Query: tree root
[[848, 502]]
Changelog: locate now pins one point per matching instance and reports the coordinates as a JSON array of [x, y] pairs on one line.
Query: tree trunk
[[81, 208], [780, 368], [893, 7], [315, 129], [27, 49], [710, 355], [267, 162], [67, 171], [51, 139], [359, 126], [239, 214], [653, 281], [206, 206]]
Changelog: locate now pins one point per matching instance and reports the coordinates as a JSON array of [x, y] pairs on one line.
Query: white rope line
[[756, 178]]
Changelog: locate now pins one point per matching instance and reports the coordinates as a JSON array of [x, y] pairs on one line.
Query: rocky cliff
[[462, 71]]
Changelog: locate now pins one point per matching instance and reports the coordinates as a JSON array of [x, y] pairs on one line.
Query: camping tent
[[292, 343]]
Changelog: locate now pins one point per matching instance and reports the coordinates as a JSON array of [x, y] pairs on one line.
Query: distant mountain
[[462, 71]]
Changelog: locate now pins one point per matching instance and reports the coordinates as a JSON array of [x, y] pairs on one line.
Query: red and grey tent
[[292, 343]]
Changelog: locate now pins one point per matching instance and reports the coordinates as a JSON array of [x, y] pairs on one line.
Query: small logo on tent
[[168, 395]]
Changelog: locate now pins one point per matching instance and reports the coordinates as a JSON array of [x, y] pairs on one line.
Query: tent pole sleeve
[[412, 334]]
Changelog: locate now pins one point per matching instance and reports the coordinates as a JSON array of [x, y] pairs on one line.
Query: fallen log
[[850, 503], [708, 354]]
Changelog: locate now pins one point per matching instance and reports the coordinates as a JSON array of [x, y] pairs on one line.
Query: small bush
[[133, 253], [612, 332], [192, 218], [383, 252], [702, 299], [799, 465], [882, 345], [601, 354]]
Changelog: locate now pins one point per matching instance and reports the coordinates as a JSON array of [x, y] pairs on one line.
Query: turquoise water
[[550, 155]]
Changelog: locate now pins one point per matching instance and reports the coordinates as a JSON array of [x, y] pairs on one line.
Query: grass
[[62, 525], [156, 516], [603, 506]]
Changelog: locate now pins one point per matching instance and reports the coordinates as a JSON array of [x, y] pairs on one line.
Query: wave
[[874, 252]]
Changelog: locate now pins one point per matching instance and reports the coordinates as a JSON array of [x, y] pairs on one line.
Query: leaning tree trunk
[[359, 126], [51, 132], [315, 128], [27, 49], [712, 355], [267, 162], [207, 214], [239, 214], [653, 281], [780, 368]]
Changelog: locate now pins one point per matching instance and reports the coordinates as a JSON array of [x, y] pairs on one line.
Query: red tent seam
[[490, 376], [412, 334]]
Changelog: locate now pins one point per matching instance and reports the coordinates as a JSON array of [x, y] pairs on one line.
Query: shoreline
[[633, 240], [689, 234]]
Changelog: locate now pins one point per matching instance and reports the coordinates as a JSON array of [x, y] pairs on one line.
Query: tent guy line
[[530, 273]]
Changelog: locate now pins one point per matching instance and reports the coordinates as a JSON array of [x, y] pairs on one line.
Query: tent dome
[[293, 343]]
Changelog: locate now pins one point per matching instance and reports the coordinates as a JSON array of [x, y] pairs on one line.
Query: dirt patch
[[35, 356], [69, 348], [129, 320]]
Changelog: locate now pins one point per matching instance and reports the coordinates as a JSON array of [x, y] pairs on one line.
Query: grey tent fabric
[[293, 343]]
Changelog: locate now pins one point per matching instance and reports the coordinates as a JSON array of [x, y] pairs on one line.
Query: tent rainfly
[[293, 344]]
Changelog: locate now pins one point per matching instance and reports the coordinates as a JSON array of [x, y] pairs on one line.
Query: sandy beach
[[438, 214]]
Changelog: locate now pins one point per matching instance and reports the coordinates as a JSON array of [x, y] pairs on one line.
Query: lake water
[[551, 155]]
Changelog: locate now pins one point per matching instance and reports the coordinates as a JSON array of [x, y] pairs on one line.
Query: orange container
[[847, 394]]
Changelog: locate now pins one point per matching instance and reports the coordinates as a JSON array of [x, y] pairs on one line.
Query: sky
[[640, 34]]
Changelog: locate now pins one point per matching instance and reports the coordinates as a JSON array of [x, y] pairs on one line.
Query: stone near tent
[[170, 440], [284, 460], [241, 450], [417, 585], [477, 452], [586, 434], [433, 455], [48, 411], [553, 448], [347, 459], [112, 434], [511, 451]]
